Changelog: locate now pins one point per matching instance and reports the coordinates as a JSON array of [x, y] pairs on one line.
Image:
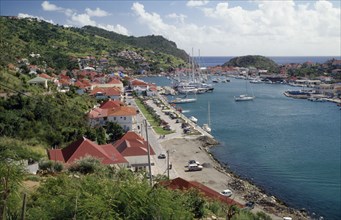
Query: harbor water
[[288, 147]]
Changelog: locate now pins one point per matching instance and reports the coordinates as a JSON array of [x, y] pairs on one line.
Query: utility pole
[[23, 209], [148, 150], [168, 164]]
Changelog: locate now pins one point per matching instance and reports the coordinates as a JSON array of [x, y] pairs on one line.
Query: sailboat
[[207, 127], [245, 97]]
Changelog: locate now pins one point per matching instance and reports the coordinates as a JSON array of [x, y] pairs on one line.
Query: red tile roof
[[44, 75], [115, 81], [182, 184], [112, 91], [111, 104], [137, 82], [132, 144], [84, 147], [122, 111]]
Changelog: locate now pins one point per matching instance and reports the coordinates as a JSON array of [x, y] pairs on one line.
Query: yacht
[[182, 100], [244, 98], [192, 118]]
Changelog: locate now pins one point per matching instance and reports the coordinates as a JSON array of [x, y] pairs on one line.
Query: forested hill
[[57, 45], [151, 42], [259, 62]]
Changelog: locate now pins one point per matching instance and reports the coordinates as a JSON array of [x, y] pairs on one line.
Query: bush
[[45, 165], [86, 165], [58, 167]]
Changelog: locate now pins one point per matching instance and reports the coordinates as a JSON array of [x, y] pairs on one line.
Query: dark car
[[249, 205], [161, 156]]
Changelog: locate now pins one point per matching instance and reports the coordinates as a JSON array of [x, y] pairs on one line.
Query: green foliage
[[58, 46], [53, 120], [114, 130], [258, 62], [12, 173], [86, 165], [120, 196]]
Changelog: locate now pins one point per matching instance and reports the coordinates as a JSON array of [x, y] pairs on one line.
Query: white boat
[[244, 97], [194, 119], [182, 100], [207, 127]]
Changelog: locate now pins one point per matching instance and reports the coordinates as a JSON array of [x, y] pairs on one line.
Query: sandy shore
[[183, 147]]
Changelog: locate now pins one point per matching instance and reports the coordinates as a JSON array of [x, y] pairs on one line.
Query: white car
[[226, 192]]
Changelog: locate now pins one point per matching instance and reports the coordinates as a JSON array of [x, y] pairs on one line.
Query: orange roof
[[43, 75], [122, 111], [115, 81], [137, 82], [111, 91], [111, 104], [118, 111]]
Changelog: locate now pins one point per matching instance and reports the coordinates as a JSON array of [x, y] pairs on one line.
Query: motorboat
[[244, 97], [206, 128], [182, 100], [193, 119]]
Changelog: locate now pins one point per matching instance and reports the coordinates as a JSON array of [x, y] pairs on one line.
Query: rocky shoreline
[[248, 190]]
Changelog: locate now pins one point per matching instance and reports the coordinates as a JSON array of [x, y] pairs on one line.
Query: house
[[109, 104], [84, 147], [182, 184], [111, 84], [39, 80], [125, 116], [134, 149], [107, 93]]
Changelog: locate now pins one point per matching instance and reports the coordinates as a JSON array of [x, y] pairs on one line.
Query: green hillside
[[60, 46], [259, 62]]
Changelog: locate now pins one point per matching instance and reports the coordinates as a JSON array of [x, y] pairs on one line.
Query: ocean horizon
[[207, 61]]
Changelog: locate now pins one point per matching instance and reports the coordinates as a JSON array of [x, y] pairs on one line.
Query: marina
[[289, 147]]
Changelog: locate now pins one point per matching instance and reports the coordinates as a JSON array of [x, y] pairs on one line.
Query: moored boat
[[244, 97], [193, 119]]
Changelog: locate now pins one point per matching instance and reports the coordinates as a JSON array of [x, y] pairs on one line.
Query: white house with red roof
[[84, 147], [107, 93], [113, 82], [125, 116], [134, 149]]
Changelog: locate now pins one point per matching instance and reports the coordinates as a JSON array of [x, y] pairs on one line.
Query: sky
[[204, 27]]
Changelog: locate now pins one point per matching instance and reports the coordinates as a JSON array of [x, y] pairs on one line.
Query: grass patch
[[157, 128]]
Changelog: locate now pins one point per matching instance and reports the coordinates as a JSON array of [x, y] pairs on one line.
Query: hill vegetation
[[256, 61], [59, 47]]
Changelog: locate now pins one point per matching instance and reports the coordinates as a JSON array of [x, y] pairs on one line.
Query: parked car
[[250, 205], [226, 192], [194, 167], [161, 156], [193, 162]]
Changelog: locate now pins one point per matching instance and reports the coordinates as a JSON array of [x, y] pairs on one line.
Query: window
[[125, 118]]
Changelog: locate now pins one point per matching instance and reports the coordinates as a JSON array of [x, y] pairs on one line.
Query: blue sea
[[220, 60], [288, 147]]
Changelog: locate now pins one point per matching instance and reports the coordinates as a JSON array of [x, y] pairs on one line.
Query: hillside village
[[125, 110]]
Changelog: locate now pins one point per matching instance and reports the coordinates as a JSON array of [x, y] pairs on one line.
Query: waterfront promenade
[[181, 148]]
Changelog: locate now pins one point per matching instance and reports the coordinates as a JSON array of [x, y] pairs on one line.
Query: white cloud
[[82, 20], [196, 3], [272, 28], [180, 18], [96, 13], [47, 6], [23, 15], [118, 29]]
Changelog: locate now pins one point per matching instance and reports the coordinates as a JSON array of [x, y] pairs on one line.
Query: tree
[[12, 173], [114, 130]]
